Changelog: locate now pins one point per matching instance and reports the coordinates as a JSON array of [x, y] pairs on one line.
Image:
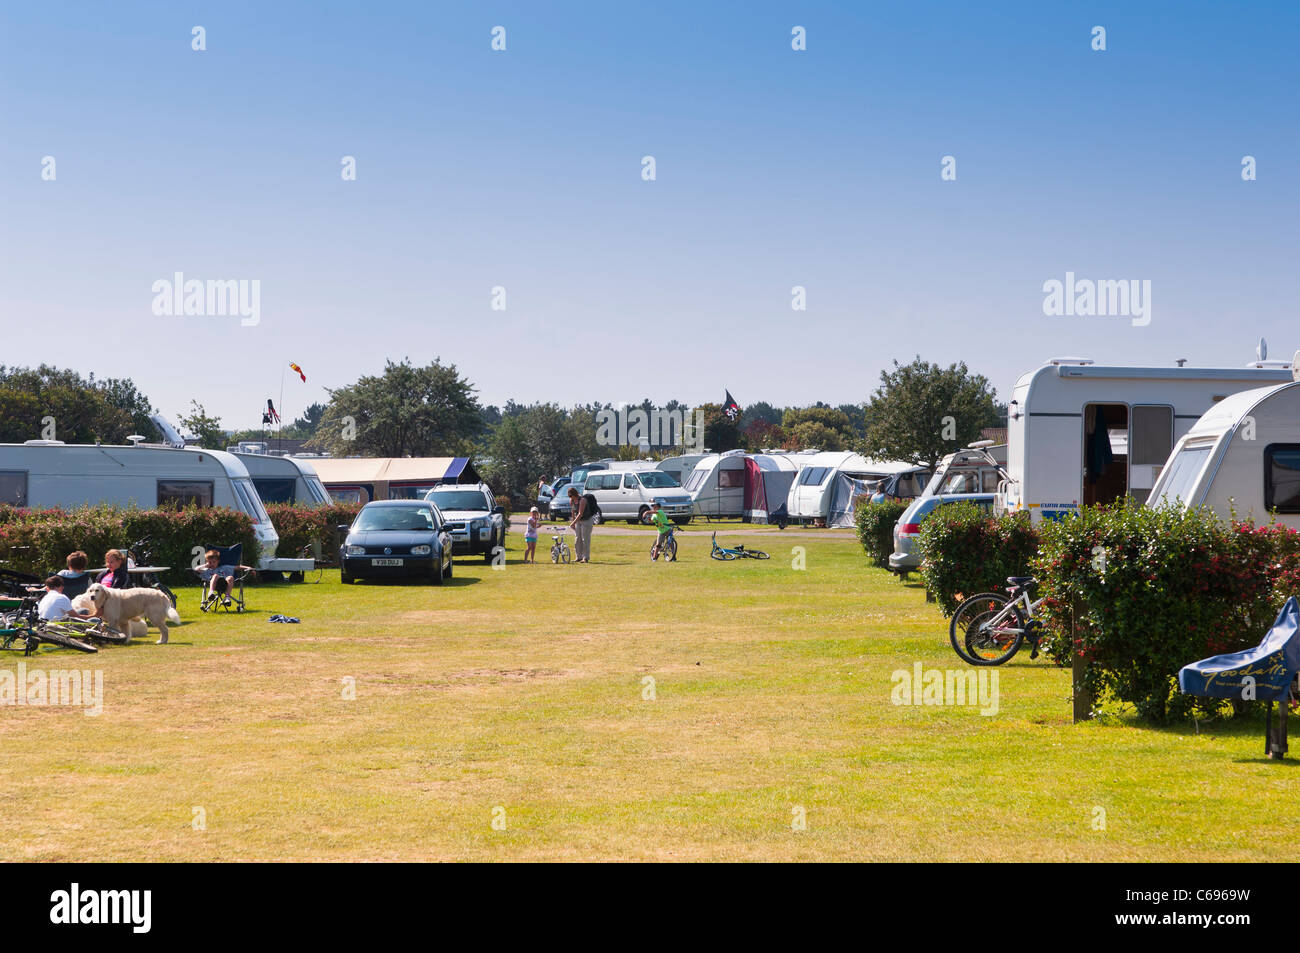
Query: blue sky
[[522, 169]]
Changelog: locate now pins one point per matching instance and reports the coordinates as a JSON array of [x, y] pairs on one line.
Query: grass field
[[520, 694]]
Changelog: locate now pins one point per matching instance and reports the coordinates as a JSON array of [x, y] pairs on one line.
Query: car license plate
[[386, 562]]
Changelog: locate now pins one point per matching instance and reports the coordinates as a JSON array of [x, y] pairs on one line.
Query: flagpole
[[280, 426]]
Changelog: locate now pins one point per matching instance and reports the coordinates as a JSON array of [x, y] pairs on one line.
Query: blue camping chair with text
[[1264, 673]]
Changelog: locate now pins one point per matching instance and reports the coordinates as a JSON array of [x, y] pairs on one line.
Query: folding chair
[[221, 595]]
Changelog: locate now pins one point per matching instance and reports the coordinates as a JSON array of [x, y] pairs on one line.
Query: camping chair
[[1264, 673], [76, 587], [218, 597]]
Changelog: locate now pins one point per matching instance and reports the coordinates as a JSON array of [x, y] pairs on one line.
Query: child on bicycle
[[660, 519], [530, 535]]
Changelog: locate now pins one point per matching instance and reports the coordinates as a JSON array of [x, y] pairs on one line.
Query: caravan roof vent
[[135, 439], [1071, 360], [42, 443]]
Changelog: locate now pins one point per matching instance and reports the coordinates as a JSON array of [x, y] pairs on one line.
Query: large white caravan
[[284, 479], [1079, 433], [829, 483], [47, 473], [1242, 457]]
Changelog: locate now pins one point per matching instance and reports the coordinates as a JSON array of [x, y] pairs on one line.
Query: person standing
[[584, 518]]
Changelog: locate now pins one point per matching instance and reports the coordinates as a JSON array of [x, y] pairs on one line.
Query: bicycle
[[989, 628], [669, 546], [18, 620], [740, 552], [140, 561], [560, 552]]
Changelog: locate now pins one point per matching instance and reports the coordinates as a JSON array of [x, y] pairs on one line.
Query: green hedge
[[875, 526], [38, 541], [300, 526], [964, 550], [1156, 589]]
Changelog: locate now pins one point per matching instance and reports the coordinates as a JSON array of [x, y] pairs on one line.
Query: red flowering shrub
[[299, 526], [1155, 589]]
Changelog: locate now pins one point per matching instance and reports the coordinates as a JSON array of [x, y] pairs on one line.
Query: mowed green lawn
[[522, 695]]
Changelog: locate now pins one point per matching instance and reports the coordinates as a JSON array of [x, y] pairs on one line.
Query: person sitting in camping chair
[[223, 576]]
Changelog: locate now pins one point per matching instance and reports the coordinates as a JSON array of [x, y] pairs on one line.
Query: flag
[[270, 415], [299, 370], [730, 407]]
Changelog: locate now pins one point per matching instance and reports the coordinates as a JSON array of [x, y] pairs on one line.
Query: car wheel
[[347, 578], [682, 520], [450, 563], [643, 516]]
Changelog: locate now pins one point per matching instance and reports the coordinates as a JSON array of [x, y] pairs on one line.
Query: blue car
[[402, 539]]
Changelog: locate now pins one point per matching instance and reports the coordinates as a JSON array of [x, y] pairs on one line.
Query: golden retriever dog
[[119, 606], [136, 628]]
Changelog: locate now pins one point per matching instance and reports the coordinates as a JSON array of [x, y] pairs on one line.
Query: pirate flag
[[270, 415], [730, 407]]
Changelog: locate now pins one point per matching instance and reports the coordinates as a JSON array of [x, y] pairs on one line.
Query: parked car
[[549, 492], [561, 508], [476, 524], [906, 556], [627, 494], [397, 538]]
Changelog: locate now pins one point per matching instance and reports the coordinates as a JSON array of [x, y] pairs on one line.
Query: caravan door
[[1124, 447]]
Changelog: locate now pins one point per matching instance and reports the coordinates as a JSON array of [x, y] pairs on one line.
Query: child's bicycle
[[669, 548], [20, 624], [740, 552], [560, 552], [988, 628]]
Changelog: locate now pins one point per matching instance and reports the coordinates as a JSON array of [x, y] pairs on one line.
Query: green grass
[[521, 689]]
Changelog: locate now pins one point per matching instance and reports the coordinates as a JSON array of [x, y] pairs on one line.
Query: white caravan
[[717, 485], [1080, 434], [829, 483], [284, 479], [42, 473], [681, 466], [1242, 457]]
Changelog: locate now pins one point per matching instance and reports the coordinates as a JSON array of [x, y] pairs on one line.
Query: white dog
[[121, 608], [136, 628]]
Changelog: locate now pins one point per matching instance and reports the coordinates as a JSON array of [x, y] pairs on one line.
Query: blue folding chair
[[222, 595], [1264, 673]]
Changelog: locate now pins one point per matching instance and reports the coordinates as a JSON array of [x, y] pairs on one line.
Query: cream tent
[[362, 479]]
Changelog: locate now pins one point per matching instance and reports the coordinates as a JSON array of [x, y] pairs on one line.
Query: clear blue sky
[[523, 169]]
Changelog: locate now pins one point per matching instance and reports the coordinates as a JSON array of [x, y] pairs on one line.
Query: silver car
[[906, 556]]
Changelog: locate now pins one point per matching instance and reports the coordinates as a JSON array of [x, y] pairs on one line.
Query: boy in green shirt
[[660, 519]]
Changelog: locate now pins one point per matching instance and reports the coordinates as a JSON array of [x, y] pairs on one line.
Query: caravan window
[[696, 480], [1181, 474], [317, 489], [813, 476], [275, 489], [730, 479], [13, 487], [1282, 477], [249, 501], [178, 494]]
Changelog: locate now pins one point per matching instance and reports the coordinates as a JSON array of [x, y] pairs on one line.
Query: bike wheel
[[756, 554], [566, 555], [64, 641], [167, 592], [725, 555], [974, 642], [555, 554], [671, 550]]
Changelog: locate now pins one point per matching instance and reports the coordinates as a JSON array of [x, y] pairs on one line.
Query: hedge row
[[965, 551], [299, 527], [1155, 588], [875, 527], [39, 541]]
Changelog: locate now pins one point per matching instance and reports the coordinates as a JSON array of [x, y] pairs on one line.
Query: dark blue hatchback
[[397, 539]]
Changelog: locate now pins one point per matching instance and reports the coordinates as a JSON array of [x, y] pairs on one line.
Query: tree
[[922, 411], [819, 426], [760, 410], [53, 403], [309, 422], [721, 433], [406, 411], [207, 430]]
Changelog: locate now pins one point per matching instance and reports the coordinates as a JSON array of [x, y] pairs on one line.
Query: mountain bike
[[19, 623], [740, 552], [669, 548], [560, 552], [989, 628]]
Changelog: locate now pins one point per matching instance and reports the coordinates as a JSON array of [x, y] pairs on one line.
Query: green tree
[[721, 433], [53, 403], [309, 422], [819, 426], [922, 411], [204, 428], [405, 411]]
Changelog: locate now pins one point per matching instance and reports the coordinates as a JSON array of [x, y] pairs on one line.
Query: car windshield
[[459, 500], [657, 480], [394, 519]]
